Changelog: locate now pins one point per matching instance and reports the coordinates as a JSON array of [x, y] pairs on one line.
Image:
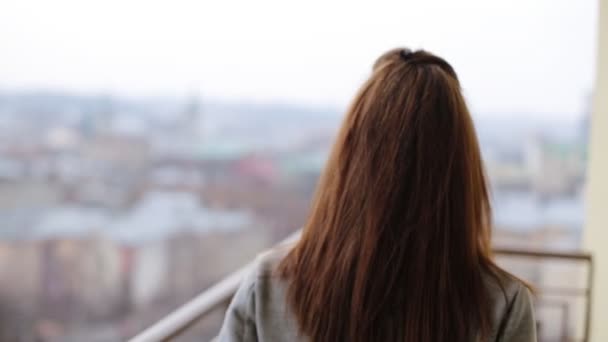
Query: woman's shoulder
[[268, 261], [513, 306], [262, 277], [258, 310], [503, 287], [265, 293], [265, 265]]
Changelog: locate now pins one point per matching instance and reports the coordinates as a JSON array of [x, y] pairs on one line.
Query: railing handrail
[[221, 293], [188, 314], [185, 316], [543, 254]]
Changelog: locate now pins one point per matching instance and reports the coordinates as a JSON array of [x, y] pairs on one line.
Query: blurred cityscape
[[117, 210]]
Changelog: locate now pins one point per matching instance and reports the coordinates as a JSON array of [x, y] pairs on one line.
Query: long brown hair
[[397, 244]]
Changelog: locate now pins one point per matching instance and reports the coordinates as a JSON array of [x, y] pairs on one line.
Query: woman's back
[[397, 243], [260, 311]]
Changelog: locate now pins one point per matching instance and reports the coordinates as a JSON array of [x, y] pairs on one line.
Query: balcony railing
[[552, 298], [217, 296], [575, 321]]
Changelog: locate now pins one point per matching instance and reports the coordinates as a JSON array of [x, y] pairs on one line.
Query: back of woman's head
[[397, 241]]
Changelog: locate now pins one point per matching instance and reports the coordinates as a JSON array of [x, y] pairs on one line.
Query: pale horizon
[[517, 57]]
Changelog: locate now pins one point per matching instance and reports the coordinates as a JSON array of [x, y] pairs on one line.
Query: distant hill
[[496, 128]]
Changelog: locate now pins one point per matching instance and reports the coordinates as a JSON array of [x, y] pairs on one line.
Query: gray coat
[[259, 311]]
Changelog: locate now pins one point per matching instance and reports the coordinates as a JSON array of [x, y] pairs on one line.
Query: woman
[[397, 245]]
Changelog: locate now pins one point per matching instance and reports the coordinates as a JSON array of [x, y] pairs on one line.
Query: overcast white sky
[[532, 56]]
